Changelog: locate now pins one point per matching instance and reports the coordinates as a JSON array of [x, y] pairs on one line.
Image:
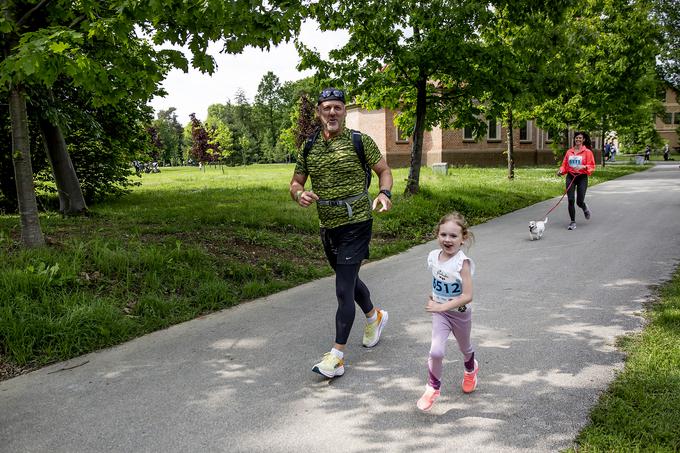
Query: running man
[[339, 162]]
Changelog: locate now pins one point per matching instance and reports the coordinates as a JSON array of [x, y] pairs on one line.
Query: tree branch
[[32, 10], [76, 21]]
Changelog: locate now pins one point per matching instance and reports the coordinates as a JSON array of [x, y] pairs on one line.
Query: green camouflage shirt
[[336, 173]]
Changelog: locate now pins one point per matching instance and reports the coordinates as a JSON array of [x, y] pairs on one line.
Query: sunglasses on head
[[328, 93]]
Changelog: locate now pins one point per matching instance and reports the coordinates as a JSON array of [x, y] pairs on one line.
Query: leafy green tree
[[421, 59], [43, 45], [269, 113], [612, 85], [238, 117], [667, 14], [244, 146], [95, 46], [187, 141], [292, 91], [221, 140], [300, 115], [244, 128], [527, 61], [103, 142], [170, 136]]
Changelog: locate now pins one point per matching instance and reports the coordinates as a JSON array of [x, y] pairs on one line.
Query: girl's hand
[[434, 307]]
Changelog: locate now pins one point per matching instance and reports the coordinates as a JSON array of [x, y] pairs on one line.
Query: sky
[[193, 92]]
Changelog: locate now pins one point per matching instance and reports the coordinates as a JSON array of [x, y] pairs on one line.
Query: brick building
[[455, 146], [667, 125]]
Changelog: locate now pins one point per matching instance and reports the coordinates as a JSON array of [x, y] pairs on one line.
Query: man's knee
[[345, 295]]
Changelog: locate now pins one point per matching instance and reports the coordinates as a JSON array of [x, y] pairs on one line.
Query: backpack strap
[[359, 148], [308, 145]]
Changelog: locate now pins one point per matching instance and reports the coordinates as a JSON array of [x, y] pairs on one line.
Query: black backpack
[[358, 147]]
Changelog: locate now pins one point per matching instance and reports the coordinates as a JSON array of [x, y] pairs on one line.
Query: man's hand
[[384, 201], [306, 198]]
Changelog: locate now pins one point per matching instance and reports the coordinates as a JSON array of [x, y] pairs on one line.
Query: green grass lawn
[[641, 409], [188, 242], [657, 156]]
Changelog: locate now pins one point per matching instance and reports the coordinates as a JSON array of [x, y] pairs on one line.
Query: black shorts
[[347, 244]]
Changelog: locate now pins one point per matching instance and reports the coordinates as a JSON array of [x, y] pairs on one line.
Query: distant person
[[578, 164], [339, 162], [612, 158], [452, 273], [607, 150], [648, 152], [666, 152]]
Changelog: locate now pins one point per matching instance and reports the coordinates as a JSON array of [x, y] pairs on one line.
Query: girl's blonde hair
[[459, 219]]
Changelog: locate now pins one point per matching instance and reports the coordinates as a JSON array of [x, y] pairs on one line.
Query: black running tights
[[348, 289], [579, 186]]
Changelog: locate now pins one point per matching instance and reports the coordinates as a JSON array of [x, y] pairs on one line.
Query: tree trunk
[[413, 182], [31, 234], [71, 200], [511, 146]]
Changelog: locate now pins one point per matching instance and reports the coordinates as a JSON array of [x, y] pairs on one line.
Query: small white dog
[[537, 228]]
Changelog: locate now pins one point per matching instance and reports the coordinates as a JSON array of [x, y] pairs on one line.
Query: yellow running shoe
[[330, 366], [373, 329]]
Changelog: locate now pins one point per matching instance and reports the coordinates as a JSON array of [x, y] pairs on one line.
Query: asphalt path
[[546, 318]]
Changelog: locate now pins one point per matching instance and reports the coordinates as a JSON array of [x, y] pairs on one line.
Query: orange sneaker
[[426, 401], [470, 379]]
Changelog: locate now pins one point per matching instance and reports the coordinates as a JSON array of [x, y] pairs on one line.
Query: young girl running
[[452, 274]]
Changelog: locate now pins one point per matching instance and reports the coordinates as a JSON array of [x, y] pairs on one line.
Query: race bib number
[[443, 291], [575, 161]]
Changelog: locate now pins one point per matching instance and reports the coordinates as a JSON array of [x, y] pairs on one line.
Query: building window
[[661, 94], [677, 118], [468, 134], [494, 132], [525, 131], [668, 118], [548, 137], [402, 136]]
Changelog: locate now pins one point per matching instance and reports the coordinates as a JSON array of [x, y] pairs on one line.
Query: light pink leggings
[[443, 324]]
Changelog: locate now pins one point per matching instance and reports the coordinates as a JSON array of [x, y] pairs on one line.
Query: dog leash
[[560, 200]]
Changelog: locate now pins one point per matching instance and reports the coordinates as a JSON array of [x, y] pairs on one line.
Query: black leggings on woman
[[580, 186], [349, 288]]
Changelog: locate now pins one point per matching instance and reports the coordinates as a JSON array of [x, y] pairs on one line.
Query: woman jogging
[[578, 164]]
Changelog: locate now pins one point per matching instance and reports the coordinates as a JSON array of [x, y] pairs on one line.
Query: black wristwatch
[[387, 193]]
